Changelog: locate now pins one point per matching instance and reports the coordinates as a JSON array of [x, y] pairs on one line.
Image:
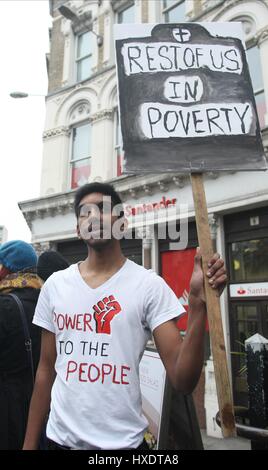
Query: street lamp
[[69, 14], [21, 94]]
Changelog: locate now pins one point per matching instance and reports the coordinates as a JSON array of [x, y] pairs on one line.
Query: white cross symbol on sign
[[181, 35]]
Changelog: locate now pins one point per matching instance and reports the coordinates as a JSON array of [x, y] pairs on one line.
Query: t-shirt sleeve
[[161, 304], [43, 315]]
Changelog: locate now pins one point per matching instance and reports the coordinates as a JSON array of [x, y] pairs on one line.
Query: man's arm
[[183, 359], [40, 401]]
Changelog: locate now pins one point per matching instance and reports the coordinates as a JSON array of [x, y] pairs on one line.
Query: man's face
[[95, 220]]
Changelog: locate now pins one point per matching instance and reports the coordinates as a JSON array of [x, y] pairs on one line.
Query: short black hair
[[102, 188]]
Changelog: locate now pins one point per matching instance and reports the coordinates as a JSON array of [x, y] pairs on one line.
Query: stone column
[[213, 225], [146, 233], [102, 148], [263, 46]]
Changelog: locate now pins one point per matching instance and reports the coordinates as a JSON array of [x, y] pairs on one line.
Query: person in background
[[18, 276], [50, 262]]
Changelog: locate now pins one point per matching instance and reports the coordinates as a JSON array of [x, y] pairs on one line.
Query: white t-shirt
[[101, 335]]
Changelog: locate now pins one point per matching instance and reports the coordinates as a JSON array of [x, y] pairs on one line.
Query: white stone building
[[82, 143]]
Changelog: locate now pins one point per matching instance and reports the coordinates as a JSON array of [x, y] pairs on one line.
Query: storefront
[[246, 236], [76, 250]]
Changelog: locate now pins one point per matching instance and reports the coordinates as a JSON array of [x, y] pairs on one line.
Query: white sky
[[24, 41]]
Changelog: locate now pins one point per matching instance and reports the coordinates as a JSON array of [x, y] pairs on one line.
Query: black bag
[[28, 347]]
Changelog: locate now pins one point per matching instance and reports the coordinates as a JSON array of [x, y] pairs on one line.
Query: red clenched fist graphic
[[104, 311]]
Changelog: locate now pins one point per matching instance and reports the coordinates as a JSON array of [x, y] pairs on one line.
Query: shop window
[[255, 69], [174, 11], [249, 260], [84, 50], [80, 155]]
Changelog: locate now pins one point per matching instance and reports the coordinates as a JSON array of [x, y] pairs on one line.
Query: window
[[174, 11], [255, 69], [118, 144], [249, 260], [127, 15], [84, 56], [80, 157]]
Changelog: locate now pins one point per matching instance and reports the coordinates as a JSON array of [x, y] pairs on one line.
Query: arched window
[[254, 64], [80, 148]]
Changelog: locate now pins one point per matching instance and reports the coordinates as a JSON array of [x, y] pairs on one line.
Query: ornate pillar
[[146, 233], [213, 225], [102, 161]]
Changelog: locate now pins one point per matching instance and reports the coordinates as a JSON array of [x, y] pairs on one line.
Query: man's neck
[[105, 259]]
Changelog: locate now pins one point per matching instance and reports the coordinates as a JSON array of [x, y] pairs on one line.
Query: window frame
[[73, 161], [81, 58], [124, 8], [166, 9]]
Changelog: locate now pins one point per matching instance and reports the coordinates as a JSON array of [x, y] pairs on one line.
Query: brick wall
[[101, 33], [56, 57]]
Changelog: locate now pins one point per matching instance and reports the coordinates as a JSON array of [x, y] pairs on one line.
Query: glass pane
[[81, 142], [261, 108], [249, 260], [127, 15], [246, 325], [84, 45], [255, 69], [80, 173], [176, 14], [84, 67]]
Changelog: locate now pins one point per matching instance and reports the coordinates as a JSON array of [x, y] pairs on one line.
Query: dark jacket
[[15, 372]]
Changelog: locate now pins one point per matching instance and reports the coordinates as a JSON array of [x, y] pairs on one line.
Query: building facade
[[82, 142]]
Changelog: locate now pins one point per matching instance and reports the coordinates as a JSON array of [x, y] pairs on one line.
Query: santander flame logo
[[241, 291]]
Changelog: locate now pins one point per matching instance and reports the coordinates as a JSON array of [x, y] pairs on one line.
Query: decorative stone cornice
[[57, 131], [213, 175], [129, 187], [162, 186], [50, 206], [179, 181], [105, 114]]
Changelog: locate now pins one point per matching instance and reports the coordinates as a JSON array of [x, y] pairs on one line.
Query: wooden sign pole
[[213, 310]]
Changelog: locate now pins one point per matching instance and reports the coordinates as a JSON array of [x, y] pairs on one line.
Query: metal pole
[[257, 376]]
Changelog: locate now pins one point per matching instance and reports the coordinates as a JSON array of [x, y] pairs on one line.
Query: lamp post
[[21, 94]]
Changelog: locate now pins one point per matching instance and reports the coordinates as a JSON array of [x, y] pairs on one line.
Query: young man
[[97, 316]]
